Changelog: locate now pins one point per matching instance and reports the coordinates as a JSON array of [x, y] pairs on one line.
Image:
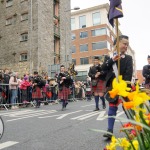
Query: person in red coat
[[23, 86]]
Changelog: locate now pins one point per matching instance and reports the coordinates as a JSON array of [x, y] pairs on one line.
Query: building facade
[[34, 35], [92, 35]]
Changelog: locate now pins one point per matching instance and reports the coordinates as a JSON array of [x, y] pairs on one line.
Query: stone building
[[34, 35]]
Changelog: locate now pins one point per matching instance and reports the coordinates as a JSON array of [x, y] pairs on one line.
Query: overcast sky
[[135, 24]]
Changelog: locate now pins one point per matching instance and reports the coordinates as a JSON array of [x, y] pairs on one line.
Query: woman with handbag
[[98, 82]]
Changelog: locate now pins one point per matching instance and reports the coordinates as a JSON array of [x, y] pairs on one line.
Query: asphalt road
[[49, 128]]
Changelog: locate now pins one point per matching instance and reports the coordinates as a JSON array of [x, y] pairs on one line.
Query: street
[[49, 128]]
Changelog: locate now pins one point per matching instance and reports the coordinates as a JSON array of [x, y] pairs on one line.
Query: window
[[83, 34], [82, 73], [74, 61], [73, 49], [98, 32], [96, 18], [72, 23], [24, 16], [9, 21], [82, 21], [84, 48], [73, 36], [24, 37], [84, 61], [9, 3], [23, 57], [99, 45]]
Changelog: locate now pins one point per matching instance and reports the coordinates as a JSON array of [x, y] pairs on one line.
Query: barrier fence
[[5, 96]]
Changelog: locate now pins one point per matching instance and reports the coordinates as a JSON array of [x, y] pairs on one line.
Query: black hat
[[35, 72], [96, 57], [148, 56]]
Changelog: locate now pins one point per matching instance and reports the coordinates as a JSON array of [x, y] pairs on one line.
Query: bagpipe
[[71, 70]]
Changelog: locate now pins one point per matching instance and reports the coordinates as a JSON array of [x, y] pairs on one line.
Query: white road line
[[101, 115], [83, 118], [26, 113], [87, 105], [33, 115], [84, 115], [14, 112], [64, 115], [7, 144]]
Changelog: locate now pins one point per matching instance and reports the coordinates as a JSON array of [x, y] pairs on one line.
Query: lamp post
[[75, 8]]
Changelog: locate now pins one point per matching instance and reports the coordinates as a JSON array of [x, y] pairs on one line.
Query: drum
[[1, 127]]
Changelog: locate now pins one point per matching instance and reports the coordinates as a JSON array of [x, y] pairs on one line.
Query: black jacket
[[94, 69], [146, 73], [67, 82], [126, 69]]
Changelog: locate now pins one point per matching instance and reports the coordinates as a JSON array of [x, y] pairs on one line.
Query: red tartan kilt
[[37, 94], [101, 87], [147, 86], [64, 93]]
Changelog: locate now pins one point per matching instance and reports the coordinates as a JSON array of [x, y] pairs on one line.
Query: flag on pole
[[115, 11]]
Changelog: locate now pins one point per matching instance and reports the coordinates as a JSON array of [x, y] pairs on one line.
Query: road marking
[[7, 144], [87, 105], [64, 115], [85, 115], [27, 113], [101, 115], [32, 115], [15, 112], [60, 116]]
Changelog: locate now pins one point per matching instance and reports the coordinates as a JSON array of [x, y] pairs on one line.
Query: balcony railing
[[56, 31]]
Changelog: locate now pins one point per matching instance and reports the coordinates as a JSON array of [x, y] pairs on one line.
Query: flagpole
[[117, 44]]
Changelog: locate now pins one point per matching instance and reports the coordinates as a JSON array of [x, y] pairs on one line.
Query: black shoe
[[108, 135], [104, 106], [97, 109], [66, 104]]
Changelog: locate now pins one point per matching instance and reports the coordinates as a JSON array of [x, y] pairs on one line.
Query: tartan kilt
[[147, 86], [64, 93], [37, 93], [101, 87]]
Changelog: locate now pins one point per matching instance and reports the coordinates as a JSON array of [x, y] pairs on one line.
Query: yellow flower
[[113, 139], [124, 143], [135, 144], [119, 88]]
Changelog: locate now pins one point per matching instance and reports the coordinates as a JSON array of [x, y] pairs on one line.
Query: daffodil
[[135, 144]]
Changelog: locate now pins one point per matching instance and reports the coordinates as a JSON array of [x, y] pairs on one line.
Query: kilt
[[37, 93], [64, 93], [101, 87], [147, 86]]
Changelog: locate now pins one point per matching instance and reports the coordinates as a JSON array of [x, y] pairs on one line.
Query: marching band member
[[98, 82], [64, 81], [38, 83], [126, 70], [146, 73]]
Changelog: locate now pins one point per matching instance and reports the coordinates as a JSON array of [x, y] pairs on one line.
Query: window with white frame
[[73, 49], [8, 21], [9, 3], [74, 61], [83, 34], [82, 21], [96, 18], [24, 16], [23, 57], [73, 36], [72, 23], [84, 61], [84, 48], [24, 37], [99, 45], [99, 32]]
